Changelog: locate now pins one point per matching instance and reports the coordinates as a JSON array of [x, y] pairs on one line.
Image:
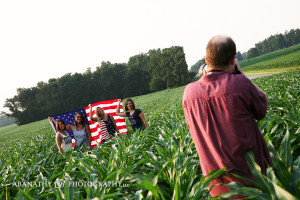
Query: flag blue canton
[[69, 119]]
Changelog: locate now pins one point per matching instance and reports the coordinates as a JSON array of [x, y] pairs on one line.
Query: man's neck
[[223, 69]]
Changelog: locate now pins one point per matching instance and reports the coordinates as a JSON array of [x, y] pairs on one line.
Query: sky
[[42, 39]]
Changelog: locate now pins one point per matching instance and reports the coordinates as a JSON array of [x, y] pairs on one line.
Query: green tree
[[22, 106], [14, 107], [176, 69], [253, 52], [239, 56], [265, 47], [104, 80], [135, 81], [276, 42], [65, 93], [281, 42], [109, 80], [244, 55], [157, 84], [138, 75], [297, 36], [156, 64], [258, 46]]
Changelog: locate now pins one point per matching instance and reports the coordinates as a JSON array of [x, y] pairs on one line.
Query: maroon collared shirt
[[220, 110]]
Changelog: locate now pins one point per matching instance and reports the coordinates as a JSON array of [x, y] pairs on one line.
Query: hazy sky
[[41, 39]]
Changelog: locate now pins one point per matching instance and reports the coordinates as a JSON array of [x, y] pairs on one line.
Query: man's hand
[[237, 67], [202, 70]]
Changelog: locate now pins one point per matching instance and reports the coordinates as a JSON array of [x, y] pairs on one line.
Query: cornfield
[[288, 57], [160, 162]]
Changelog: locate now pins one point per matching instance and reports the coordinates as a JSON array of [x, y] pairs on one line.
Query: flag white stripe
[[118, 117], [106, 110], [93, 126], [121, 123], [118, 124]]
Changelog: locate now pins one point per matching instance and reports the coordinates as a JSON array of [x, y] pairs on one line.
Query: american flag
[[98, 132]]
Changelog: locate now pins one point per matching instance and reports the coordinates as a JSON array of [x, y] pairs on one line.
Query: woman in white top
[[63, 140], [82, 132]]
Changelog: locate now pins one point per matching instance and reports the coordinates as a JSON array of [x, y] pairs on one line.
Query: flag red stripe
[[119, 120], [122, 127], [95, 137], [110, 107], [92, 122]]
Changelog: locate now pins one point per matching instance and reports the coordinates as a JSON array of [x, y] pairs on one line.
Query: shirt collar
[[213, 76]]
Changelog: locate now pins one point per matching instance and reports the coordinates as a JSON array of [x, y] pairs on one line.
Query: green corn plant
[[281, 182], [159, 162]]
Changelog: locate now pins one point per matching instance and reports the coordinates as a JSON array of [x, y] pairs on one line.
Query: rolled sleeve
[[258, 104]]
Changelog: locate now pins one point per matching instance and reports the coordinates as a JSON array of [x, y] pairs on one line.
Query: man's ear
[[206, 60]]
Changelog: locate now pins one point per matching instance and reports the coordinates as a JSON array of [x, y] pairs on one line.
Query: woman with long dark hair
[[63, 140], [135, 116], [81, 131]]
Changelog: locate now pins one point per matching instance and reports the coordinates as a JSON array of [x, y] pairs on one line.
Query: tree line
[[275, 42], [272, 43], [156, 70]]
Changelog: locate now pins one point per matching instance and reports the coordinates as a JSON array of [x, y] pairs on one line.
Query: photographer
[[220, 111]]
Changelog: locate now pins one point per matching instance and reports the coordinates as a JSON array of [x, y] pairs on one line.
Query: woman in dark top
[[135, 116], [107, 119]]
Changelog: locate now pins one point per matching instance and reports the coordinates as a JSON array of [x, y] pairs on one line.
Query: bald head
[[220, 51]]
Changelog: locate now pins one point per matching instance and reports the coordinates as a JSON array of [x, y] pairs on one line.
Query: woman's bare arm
[[91, 114], [68, 127], [88, 132], [58, 142], [118, 110], [143, 119]]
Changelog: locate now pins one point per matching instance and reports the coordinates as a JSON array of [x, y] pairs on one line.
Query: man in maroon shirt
[[220, 109]]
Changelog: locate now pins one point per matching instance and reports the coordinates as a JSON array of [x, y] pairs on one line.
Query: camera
[[202, 69], [236, 70]]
